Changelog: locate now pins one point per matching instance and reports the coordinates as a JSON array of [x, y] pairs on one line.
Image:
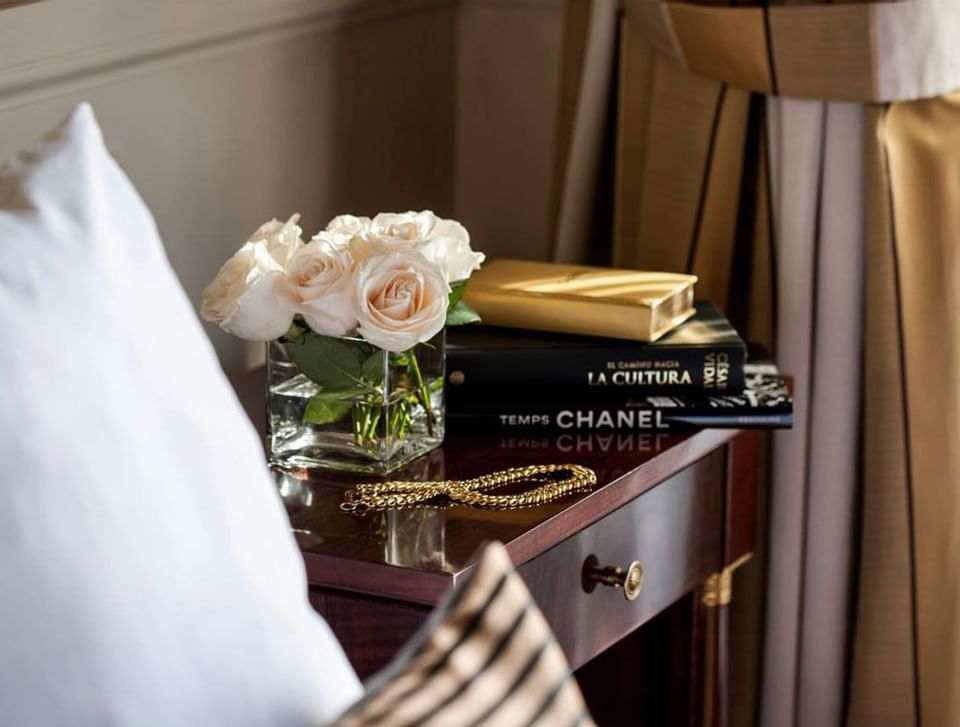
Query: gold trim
[[718, 588]]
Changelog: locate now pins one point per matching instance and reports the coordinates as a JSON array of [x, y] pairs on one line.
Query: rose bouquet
[[355, 320]]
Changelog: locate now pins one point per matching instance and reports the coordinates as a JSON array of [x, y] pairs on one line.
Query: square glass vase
[[345, 404]]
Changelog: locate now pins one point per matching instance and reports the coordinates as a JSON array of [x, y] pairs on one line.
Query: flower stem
[[373, 422], [424, 393], [357, 431]]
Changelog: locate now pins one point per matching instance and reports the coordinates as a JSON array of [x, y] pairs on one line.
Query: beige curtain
[[804, 161]]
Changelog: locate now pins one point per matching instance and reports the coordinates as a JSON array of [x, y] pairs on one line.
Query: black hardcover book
[[765, 403], [703, 355]]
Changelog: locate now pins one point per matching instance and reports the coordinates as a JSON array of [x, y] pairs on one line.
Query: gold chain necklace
[[400, 494]]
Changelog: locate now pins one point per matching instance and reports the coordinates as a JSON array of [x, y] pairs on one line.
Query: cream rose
[[342, 229], [401, 300], [320, 280], [390, 232], [449, 247], [245, 297], [282, 239], [445, 242]]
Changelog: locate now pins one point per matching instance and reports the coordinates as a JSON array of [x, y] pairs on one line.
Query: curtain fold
[[834, 420], [816, 163], [589, 39], [921, 143], [883, 683], [827, 229]]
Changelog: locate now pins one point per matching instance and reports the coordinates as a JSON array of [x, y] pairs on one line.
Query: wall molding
[[549, 5], [199, 30]]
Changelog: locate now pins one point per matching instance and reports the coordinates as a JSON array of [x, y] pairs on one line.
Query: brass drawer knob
[[629, 579]]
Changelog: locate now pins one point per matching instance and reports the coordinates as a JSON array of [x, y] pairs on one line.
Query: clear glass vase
[[345, 404]]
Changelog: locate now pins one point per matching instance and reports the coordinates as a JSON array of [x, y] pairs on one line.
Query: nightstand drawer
[[674, 530]]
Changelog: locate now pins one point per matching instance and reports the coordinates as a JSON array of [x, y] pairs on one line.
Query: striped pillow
[[485, 657]]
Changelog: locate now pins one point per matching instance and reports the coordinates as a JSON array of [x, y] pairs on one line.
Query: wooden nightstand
[[680, 505]]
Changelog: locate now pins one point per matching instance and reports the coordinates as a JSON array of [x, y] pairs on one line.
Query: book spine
[[595, 419], [477, 375]]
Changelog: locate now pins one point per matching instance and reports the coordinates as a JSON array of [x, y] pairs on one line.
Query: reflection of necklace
[[401, 494]]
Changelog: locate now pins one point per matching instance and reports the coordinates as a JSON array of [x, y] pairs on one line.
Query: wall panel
[[228, 112]]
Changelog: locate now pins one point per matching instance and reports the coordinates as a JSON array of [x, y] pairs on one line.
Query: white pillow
[[147, 571]]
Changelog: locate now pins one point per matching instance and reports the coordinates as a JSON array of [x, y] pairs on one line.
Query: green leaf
[[462, 314], [372, 370], [326, 410], [457, 290], [328, 362]]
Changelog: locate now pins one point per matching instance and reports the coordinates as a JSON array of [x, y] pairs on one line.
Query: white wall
[[228, 112]]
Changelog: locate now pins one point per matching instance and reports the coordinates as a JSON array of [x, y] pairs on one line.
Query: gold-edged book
[[591, 301]]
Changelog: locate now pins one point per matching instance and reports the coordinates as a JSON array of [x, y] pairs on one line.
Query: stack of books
[[673, 365]]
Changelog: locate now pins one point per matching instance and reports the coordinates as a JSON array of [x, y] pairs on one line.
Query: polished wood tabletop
[[683, 504], [416, 555]]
